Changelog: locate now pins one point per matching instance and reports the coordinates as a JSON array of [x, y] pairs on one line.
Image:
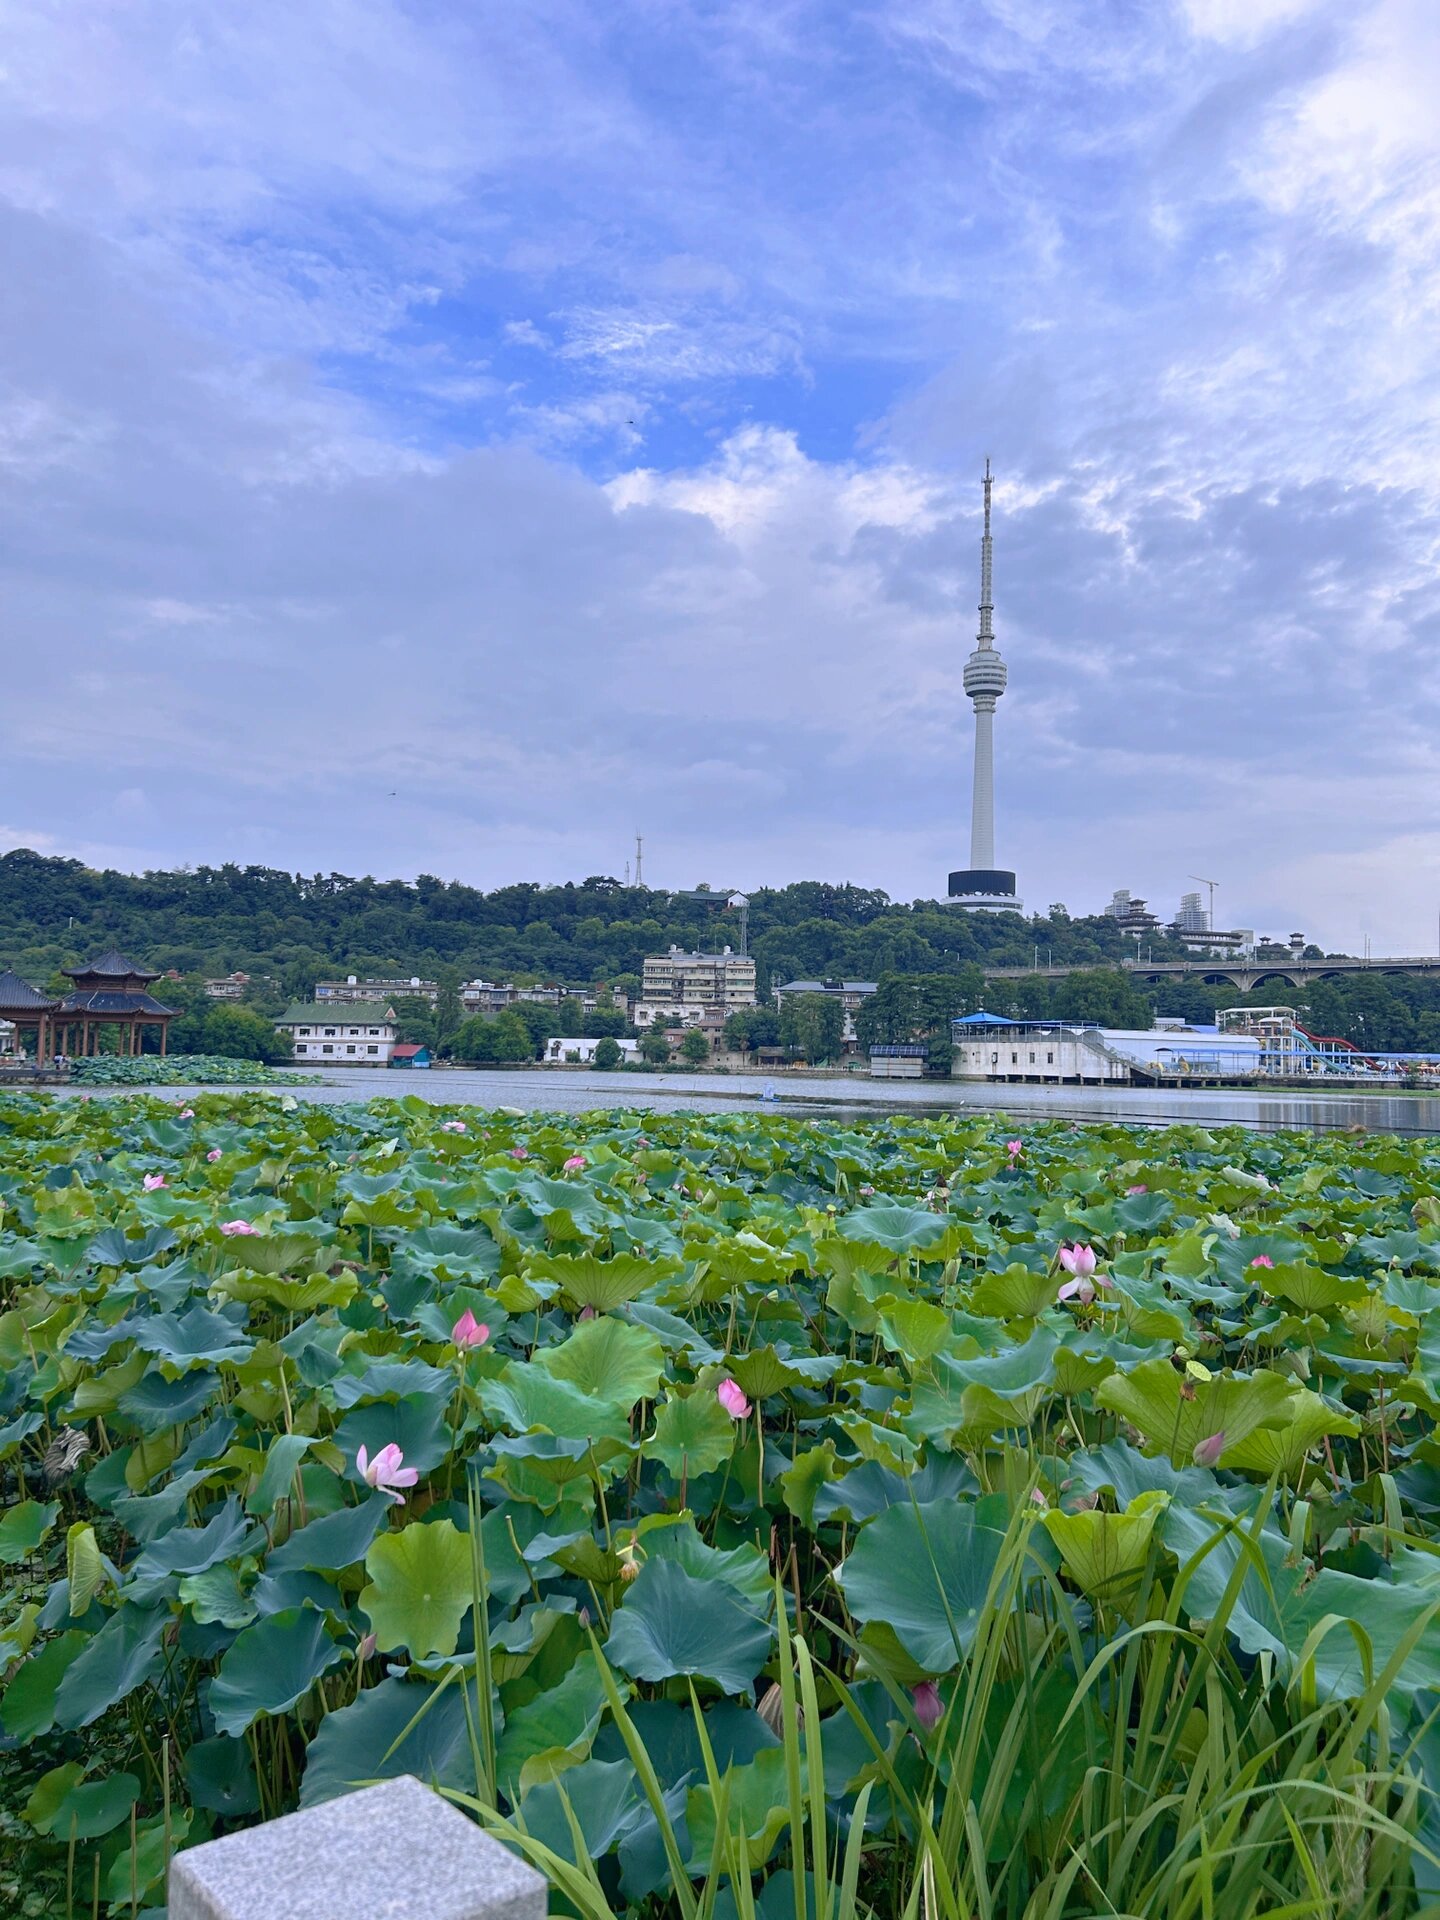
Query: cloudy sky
[[443, 438]]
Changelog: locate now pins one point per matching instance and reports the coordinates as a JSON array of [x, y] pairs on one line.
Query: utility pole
[[639, 855]]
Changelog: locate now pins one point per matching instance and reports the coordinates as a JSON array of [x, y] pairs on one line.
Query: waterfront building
[[694, 989], [355, 1035], [988, 1047], [405, 1053], [572, 1051], [899, 1062], [982, 885]]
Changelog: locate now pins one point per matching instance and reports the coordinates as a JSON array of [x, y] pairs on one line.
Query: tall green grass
[[1108, 1760]]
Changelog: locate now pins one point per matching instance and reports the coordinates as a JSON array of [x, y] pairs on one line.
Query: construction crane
[[1211, 884]]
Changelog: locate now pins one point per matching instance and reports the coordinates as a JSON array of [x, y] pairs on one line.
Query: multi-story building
[[1131, 912], [355, 1035], [852, 995], [688, 989], [351, 991], [485, 996], [231, 987]]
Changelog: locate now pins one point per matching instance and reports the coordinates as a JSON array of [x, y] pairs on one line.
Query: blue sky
[[443, 439]]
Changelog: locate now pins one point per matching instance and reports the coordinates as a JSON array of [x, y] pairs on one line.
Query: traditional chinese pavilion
[[25, 1006], [109, 992]]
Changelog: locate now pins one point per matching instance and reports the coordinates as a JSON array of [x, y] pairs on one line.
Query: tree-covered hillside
[[298, 927]]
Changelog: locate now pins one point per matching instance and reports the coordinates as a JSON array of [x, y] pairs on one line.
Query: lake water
[[576, 1090]]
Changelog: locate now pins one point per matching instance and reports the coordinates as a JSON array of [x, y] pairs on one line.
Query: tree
[[751, 1027], [655, 1048], [814, 1023], [695, 1048], [415, 1021], [233, 1033], [449, 1009], [607, 1054], [604, 1023], [494, 1042]]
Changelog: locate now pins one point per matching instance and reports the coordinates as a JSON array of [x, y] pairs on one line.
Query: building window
[[305, 1031], [1049, 1059], [330, 1034], [327, 1049], [1032, 1059], [372, 1049], [1014, 1059], [349, 1049]]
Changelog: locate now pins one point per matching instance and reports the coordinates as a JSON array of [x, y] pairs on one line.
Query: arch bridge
[[1244, 975]]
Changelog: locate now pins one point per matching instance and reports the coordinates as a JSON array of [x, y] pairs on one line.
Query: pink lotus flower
[[231, 1227], [732, 1397], [1262, 1260], [366, 1647], [213, 1154], [866, 1193], [574, 1163], [153, 1182], [929, 1709], [518, 1153], [1130, 1192], [1078, 1260], [468, 1331], [452, 1126], [387, 1471], [1038, 1497], [1082, 1290], [188, 1114], [1209, 1450], [1014, 1148], [586, 1313]]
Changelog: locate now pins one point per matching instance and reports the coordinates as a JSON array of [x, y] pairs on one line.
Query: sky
[[449, 439]]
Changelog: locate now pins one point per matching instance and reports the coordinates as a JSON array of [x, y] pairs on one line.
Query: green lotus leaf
[[924, 1572], [611, 1361], [394, 1728], [672, 1624], [1104, 1553], [602, 1284], [217, 1597], [24, 1527], [334, 1541], [548, 1731], [693, 1434], [195, 1338], [1310, 1289], [270, 1667], [757, 1806], [528, 1399], [903, 1230], [915, 1328], [1019, 1293], [1175, 1413], [220, 1776], [122, 1656], [88, 1809], [1284, 1449], [421, 1587], [27, 1708]]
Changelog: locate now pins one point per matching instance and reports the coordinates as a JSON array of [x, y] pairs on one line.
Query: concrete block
[[396, 1851]]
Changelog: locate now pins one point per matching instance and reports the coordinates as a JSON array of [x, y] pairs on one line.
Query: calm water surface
[[578, 1090]]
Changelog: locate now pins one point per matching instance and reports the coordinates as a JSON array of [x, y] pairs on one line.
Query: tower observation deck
[[982, 884]]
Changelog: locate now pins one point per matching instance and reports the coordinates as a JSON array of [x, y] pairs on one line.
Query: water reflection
[[859, 1097]]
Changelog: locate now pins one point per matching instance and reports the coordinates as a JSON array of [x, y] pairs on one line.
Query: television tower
[[982, 884], [639, 857]]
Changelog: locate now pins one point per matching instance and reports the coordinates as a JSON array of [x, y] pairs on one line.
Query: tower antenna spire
[[986, 635], [639, 857]]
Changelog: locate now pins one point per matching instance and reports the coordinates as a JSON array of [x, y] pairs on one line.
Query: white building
[[231, 987], [351, 991], [693, 989], [341, 1036], [574, 1052], [988, 1047]]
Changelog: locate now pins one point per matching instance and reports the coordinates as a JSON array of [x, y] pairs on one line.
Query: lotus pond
[[743, 1514]]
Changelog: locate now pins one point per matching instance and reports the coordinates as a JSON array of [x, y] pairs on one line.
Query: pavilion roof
[[18, 996], [102, 1000], [111, 965]]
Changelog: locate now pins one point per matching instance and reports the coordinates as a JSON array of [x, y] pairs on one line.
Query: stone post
[[396, 1851]]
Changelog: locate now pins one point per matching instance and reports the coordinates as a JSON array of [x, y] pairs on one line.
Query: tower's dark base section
[[985, 889]]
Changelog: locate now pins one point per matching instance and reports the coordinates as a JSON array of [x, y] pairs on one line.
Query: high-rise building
[[982, 884], [1192, 917]]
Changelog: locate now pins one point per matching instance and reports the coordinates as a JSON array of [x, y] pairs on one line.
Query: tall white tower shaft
[[983, 885], [982, 804]]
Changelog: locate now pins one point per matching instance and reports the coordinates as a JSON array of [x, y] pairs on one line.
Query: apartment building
[[693, 989]]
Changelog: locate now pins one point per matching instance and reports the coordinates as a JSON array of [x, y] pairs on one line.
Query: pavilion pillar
[[164, 1037]]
